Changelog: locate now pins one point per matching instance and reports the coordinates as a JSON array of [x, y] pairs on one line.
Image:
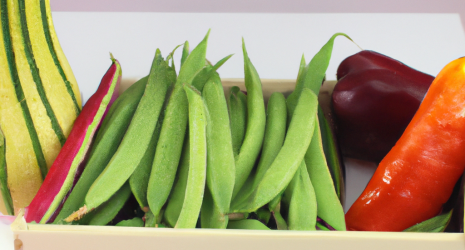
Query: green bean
[[436, 224], [169, 147], [275, 131], [220, 157], [301, 201], [237, 105], [139, 179], [197, 161], [5, 192], [247, 224], [333, 155], [109, 209], [313, 74], [329, 206], [256, 118], [106, 143], [286, 163], [134, 222], [176, 199], [210, 216], [137, 138], [185, 52]]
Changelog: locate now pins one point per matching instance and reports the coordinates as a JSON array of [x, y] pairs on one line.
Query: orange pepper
[[418, 175]]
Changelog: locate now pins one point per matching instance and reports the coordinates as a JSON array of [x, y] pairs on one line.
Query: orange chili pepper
[[418, 175]]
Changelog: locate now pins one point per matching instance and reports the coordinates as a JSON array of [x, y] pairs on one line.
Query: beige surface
[[100, 237]]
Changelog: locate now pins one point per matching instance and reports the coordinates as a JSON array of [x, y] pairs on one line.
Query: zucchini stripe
[[19, 90], [35, 74], [5, 192], [48, 37]]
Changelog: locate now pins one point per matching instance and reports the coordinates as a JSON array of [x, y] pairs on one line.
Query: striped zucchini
[[39, 96]]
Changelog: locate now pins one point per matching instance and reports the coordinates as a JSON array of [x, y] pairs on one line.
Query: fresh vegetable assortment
[[174, 150], [261, 168]]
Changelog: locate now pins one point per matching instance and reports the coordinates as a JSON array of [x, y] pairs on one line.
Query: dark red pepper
[[373, 102]]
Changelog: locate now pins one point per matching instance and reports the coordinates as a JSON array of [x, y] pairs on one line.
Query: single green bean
[[256, 118], [137, 137], [106, 143], [237, 105], [176, 199], [139, 179], [301, 201], [333, 155], [197, 161], [220, 157], [134, 222], [169, 147], [286, 163], [329, 206], [109, 209], [274, 133], [247, 224]]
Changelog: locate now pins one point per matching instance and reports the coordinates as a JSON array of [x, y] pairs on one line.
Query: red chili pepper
[[418, 175]]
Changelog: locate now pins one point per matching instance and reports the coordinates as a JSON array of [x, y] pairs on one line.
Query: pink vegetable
[[68, 166]]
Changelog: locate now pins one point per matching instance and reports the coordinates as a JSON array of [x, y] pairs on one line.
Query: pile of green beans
[[176, 151]]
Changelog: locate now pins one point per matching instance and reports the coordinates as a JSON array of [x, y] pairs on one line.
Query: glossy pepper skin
[[373, 102], [418, 175]]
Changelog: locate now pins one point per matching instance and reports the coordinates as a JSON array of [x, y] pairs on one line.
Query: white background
[[275, 42]]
